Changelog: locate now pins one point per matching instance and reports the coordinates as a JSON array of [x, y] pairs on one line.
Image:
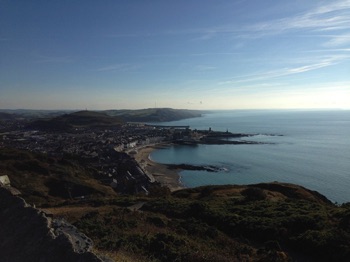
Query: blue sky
[[204, 54]]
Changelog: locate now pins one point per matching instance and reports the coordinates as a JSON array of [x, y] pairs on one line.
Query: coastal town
[[109, 150]]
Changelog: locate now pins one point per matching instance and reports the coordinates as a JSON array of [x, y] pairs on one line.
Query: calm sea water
[[313, 150]]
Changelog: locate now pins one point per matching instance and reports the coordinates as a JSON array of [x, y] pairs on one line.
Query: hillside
[[138, 115], [33, 114], [154, 114], [85, 119], [110, 118], [47, 180], [261, 222], [6, 116]]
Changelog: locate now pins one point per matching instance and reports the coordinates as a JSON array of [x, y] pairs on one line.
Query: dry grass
[[74, 213]]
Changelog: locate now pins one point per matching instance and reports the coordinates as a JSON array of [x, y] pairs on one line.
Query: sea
[[309, 148]]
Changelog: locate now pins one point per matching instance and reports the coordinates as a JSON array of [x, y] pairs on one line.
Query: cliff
[[27, 234]]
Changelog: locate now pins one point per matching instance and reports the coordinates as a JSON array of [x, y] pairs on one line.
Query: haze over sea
[[309, 148]]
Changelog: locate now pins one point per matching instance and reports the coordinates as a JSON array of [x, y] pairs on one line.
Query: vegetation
[[262, 222], [224, 223], [6, 116], [65, 120], [49, 181], [110, 118], [31, 114], [76, 120], [154, 114]]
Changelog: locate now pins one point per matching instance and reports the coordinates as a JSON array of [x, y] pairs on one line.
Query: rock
[[26, 234]]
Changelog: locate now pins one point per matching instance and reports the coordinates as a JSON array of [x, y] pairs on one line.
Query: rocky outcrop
[[27, 234]]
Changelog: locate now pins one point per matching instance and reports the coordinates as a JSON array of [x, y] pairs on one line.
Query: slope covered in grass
[[85, 119], [154, 114], [47, 180], [261, 222]]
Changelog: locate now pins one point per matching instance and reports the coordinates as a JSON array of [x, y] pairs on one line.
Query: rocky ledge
[[208, 168], [27, 234]]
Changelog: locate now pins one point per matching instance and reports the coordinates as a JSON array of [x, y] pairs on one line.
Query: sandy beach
[[161, 173]]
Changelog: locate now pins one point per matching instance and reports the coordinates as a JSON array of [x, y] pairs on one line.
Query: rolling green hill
[[139, 115], [111, 118], [6, 116], [87, 119], [47, 180], [154, 114], [34, 114]]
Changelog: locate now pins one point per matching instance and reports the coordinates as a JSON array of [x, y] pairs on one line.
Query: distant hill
[[110, 118], [139, 115], [91, 118], [33, 114], [76, 120], [6, 116], [154, 114]]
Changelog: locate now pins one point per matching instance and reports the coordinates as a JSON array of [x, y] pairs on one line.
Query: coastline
[[161, 172]]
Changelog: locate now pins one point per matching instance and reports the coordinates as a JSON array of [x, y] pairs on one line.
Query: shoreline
[[161, 172]]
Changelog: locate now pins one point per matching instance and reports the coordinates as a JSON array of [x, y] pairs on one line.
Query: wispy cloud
[[215, 54], [344, 52], [118, 67], [204, 68], [260, 86], [205, 36], [331, 7], [132, 35], [307, 68], [333, 17], [54, 59], [338, 40], [329, 17], [273, 74]]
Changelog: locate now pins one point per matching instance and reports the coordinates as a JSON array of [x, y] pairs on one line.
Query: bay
[[309, 148]]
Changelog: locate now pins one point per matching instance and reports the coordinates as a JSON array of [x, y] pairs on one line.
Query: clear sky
[[203, 54]]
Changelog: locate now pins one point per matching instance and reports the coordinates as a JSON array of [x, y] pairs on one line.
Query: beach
[[160, 172]]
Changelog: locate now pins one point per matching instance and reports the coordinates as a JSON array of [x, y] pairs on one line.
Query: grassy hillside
[[49, 181], [65, 120], [34, 114], [77, 119], [6, 116], [154, 114], [111, 118], [226, 223], [261, 222]]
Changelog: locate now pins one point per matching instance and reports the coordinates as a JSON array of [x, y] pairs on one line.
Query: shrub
[[254, 193], [157, 221]]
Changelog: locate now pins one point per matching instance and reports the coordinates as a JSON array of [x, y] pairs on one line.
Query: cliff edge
[[27, 234]]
